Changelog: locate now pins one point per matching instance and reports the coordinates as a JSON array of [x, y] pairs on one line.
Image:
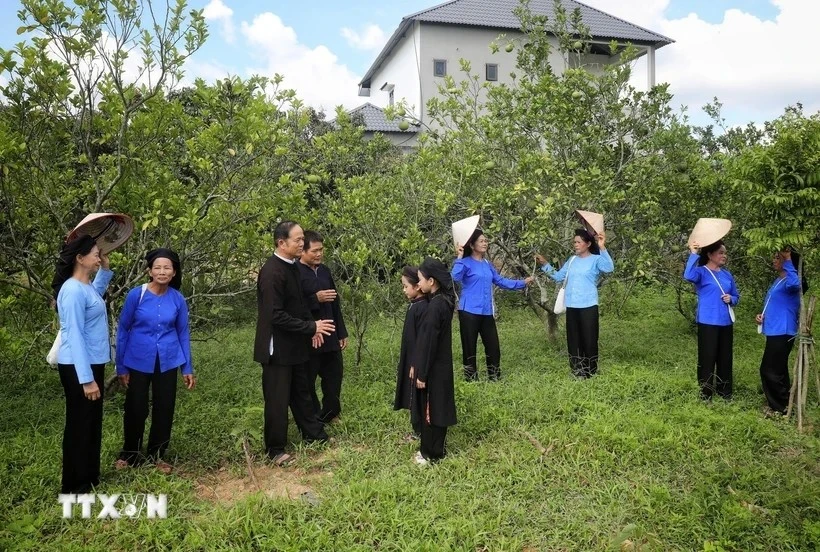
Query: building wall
[[452, 43], [402, 70], [406, 141]]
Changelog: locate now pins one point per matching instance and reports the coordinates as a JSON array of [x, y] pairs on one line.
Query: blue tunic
[[582, 278], [155, 326], [782, 304], [711, 308], [477, 279], [84, 324]]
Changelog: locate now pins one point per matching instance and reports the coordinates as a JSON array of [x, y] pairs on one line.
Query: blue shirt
[[477, 279], [84, 324], [155, 326], [582, 278], [711, 308], [782, 304]]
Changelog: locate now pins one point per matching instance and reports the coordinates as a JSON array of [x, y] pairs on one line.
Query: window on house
[[491, 71], [390, 97], [439, 68]]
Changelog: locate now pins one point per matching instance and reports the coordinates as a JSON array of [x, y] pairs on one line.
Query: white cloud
[[755, 67], [208, 71], [370, 38], [316, 74], [216, 10]]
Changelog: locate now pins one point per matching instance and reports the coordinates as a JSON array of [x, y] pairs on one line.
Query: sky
[[756, 56]]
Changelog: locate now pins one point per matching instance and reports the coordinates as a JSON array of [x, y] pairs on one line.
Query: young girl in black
[[405, 388], [435, 403]]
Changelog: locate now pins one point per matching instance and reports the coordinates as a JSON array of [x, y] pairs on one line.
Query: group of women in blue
[[476, 307], [424, 383], [153, 346], [778, 321], [153, 340], [716, 291]]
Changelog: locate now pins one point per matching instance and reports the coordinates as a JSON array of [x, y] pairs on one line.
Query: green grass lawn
[[633, 461]]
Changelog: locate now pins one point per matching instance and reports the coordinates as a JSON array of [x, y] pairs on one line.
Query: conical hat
[[709, 230], [594, 222], [463, 229], [110, 230]]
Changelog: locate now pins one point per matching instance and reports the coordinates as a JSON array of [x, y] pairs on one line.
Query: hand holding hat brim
[[594, 222], [463, 229]]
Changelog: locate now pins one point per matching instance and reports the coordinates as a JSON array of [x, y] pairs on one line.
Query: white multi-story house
[[428, 45]]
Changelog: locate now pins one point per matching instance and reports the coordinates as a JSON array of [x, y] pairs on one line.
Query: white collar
[[289, 261]]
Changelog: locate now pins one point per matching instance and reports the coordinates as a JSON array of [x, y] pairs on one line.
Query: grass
[[634, 460]]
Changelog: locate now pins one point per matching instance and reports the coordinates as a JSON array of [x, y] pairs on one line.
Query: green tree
[[568, 135], [781, 177]]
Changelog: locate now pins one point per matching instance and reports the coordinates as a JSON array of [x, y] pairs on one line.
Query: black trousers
[[329, 368], [286, 385], [163, 390], [82, 436], [582, 340], [774, 371], [471, 326], [715, 360], [432, 442]]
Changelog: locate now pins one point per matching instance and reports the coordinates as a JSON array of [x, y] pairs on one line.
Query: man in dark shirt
[[284, 330], [326, 360]]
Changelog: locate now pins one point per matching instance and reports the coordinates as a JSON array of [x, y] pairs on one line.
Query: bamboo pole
[[799, 392]]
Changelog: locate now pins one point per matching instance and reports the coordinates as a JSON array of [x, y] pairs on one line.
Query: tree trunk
[[549, 318]]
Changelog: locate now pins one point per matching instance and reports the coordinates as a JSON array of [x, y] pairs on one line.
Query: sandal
[[164, 467], [282, 459], [121, 464]]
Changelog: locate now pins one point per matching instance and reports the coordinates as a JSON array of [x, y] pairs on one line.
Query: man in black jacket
[[326, 360], [284, 330]]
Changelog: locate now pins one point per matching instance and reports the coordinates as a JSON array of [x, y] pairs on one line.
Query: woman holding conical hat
[[84, 352], [81, 278], [153, 346], [779, 322], [717, 294], [476, 307], [581, 273]]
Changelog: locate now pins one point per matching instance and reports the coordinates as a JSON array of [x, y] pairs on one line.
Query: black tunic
[[412, 320], [312, 282], [436, 404], [283, 314]]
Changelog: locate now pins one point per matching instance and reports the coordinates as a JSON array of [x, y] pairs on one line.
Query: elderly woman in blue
[[476, 308], [581, 272], [153, 345], [779, 322], [717, 292], [84, 351]]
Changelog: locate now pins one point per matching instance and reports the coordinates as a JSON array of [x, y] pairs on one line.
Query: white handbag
[[560, 302], [51, 357], [560, 299], [731, 310]]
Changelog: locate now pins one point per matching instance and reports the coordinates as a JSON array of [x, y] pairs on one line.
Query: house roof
[[376, 121], [499, 14]]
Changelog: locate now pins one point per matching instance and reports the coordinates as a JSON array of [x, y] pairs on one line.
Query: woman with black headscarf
[[435, 403], [84, 351], [780, 323], [153, 345]]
